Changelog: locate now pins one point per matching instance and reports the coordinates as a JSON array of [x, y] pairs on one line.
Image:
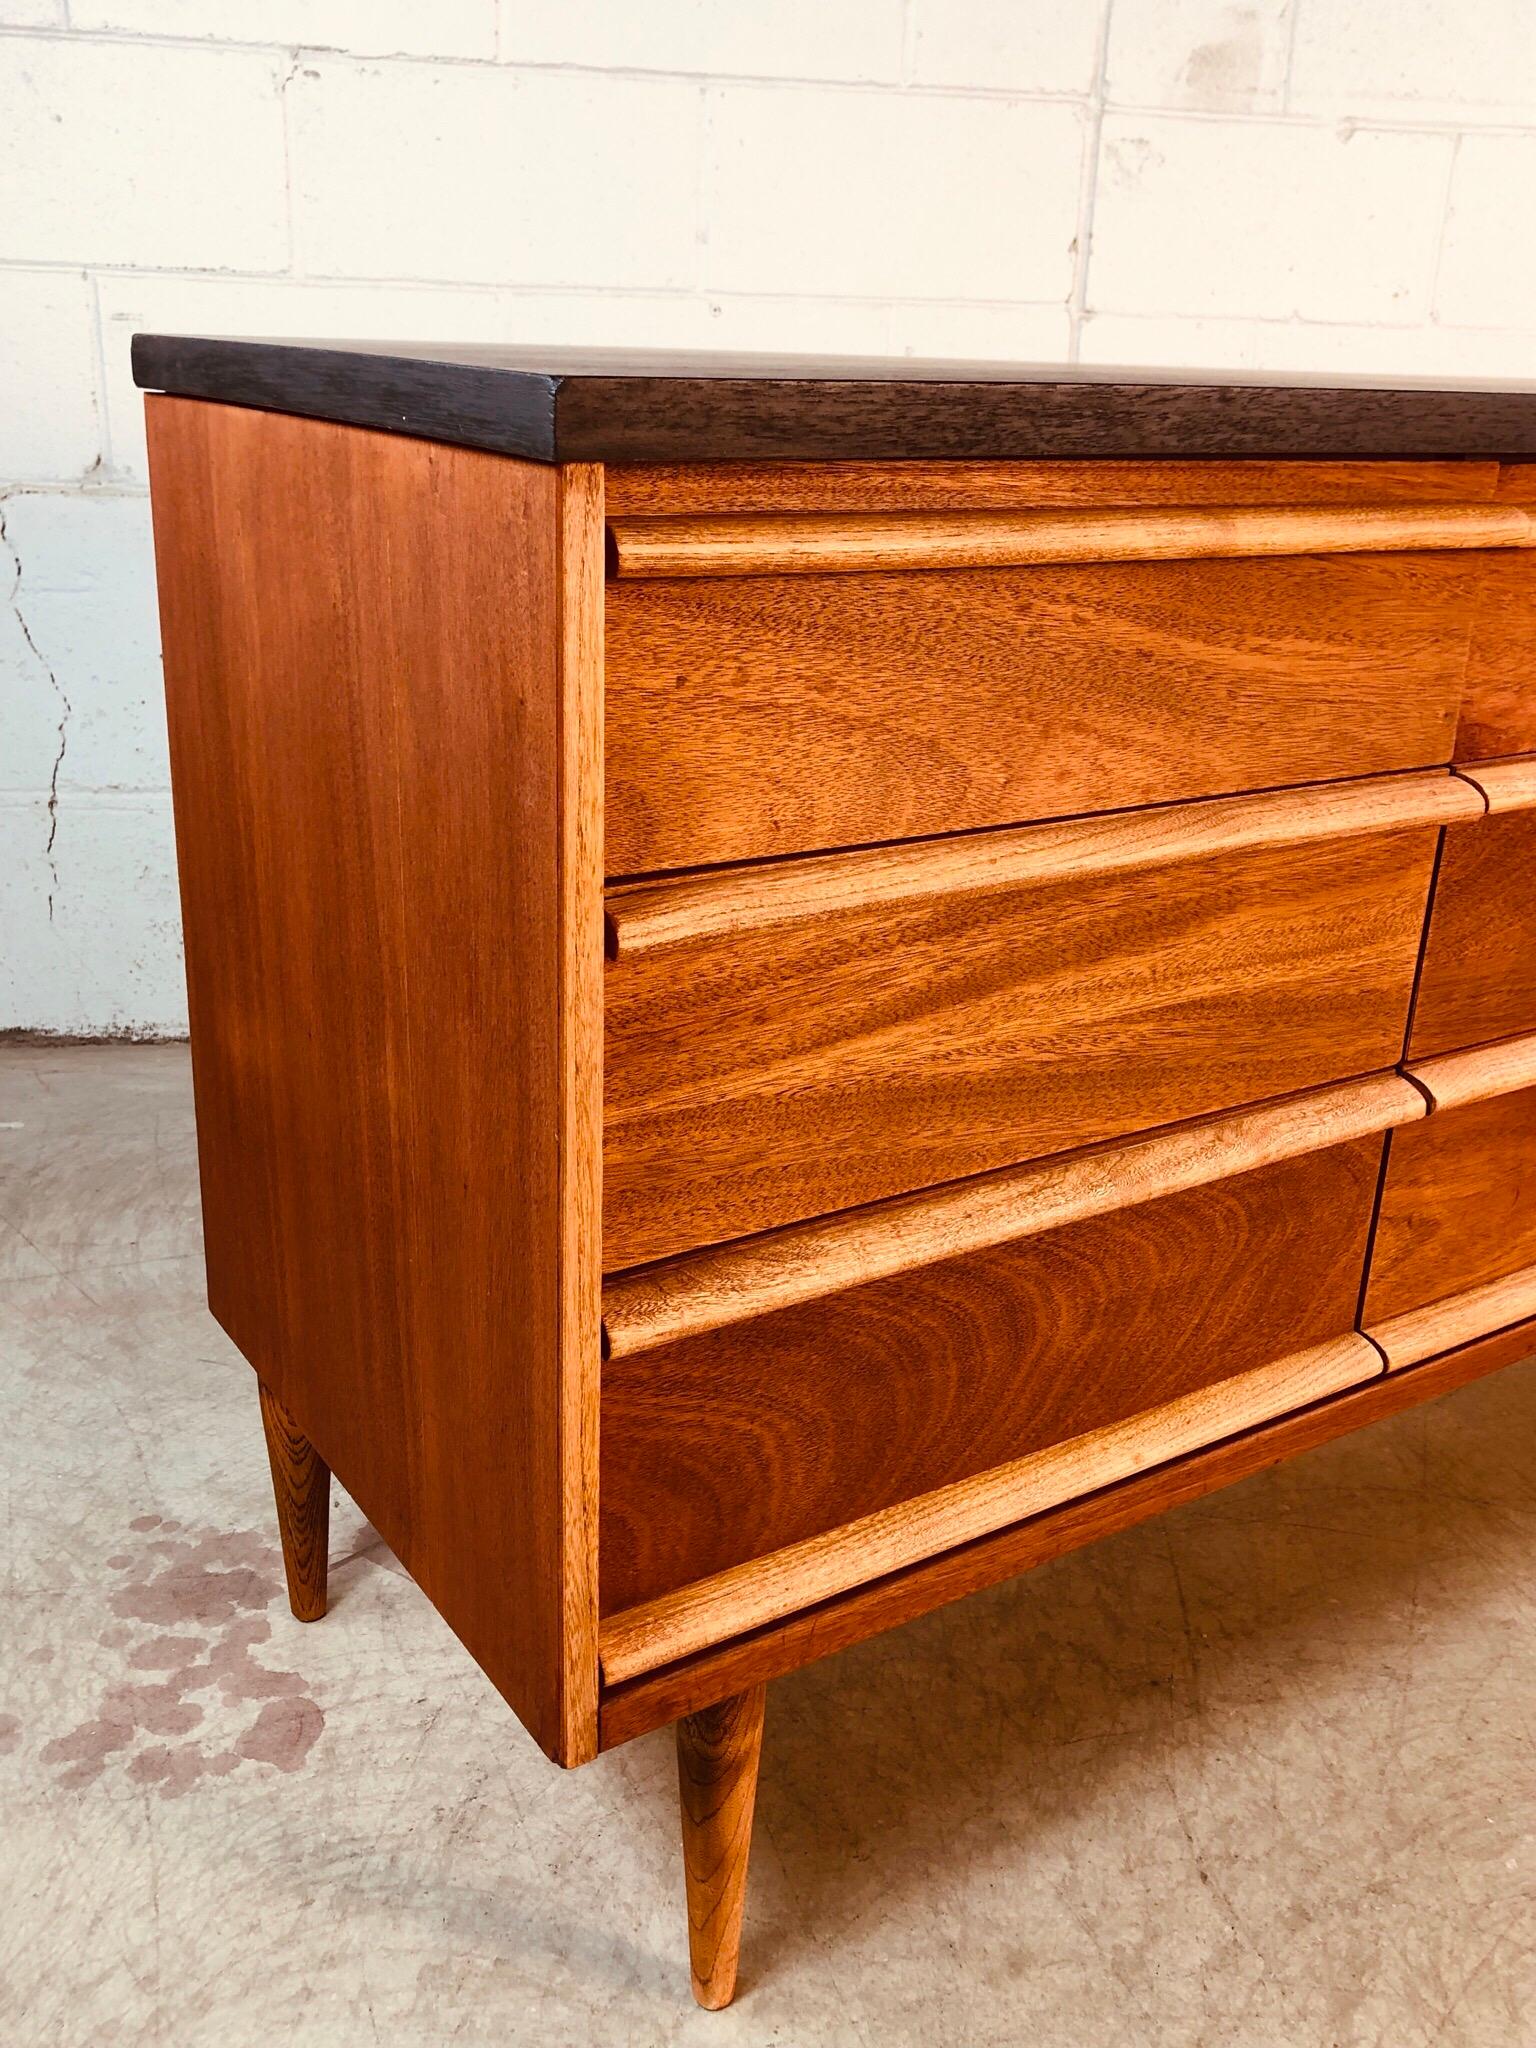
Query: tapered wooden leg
[[301, 1481], [717, 1753]]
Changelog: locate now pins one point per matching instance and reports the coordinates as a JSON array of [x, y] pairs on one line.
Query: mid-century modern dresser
[[812, 986]]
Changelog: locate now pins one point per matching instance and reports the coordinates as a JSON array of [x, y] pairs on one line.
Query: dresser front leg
[[301, 1482], [717, 1756]]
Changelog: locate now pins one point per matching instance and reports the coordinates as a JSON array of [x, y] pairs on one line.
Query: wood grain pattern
[[769, 715], [1479, 975], [390, 881], [1422, 1333], [732, 902], [660, 489], [730, 1284], [1498, 710], [1456, 1206], [709, 1611], [1459, 1077], [301, 1487], [842, 543], [657, 405], [1507, 785], [755, 1436], [578, 796], [810, 1067], [757, 1656], [718, 1751]]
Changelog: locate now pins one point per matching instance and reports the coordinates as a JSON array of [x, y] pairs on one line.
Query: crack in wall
[[59, 691]]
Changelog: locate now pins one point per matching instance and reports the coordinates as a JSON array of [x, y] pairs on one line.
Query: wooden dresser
[[809, 988]]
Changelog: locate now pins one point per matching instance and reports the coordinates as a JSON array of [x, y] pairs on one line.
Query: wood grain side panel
[[750, 1595], [666, 488], [747, 1438], [1498, 712], [837, 1624], [810, 1068], [773, 715], [382, 732], [1459, 1205], [1479, 975]]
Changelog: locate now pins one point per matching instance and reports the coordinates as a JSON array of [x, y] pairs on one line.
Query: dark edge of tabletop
[[656, 408]]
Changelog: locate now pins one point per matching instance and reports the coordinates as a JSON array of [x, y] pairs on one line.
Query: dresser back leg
[[301, 1482], [717, 1755]]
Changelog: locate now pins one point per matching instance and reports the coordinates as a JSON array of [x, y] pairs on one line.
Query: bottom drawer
[[1454, 1255], [761, 1395], [1459, 1207]]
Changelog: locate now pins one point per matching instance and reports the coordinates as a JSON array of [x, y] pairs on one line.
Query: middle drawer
[[789, 1040]]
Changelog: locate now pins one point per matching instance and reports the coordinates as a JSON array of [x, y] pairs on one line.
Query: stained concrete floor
[[1261, 1772]]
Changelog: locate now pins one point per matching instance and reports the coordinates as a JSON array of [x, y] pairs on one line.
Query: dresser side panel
[[381, 731]]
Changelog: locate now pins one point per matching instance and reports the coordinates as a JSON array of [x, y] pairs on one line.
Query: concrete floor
[[1261, 1772]]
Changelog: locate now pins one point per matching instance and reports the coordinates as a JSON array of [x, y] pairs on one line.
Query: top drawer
[[785, 683]]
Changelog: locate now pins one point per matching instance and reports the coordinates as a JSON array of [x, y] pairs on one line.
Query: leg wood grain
[[301, 1484], [717, 1759]]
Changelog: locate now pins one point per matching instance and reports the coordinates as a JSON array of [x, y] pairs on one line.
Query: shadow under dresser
[[810, 986]]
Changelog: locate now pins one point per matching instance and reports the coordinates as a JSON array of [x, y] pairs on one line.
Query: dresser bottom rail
[[659, 1697]]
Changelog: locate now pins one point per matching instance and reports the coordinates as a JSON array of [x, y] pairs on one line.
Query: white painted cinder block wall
[[1271, 184]]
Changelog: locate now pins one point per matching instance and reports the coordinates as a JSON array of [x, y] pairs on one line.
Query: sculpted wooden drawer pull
[[1457, 1078], [1423, 1333], [1508, 785], [644, 918], [811, 543]]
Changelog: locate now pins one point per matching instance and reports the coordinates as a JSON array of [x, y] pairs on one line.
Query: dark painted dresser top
[[608, 405]]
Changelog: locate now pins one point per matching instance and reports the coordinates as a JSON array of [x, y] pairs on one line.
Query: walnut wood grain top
[[658, 406]]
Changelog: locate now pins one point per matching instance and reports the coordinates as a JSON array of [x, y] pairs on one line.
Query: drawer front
[[1479, 977], [762, 715], [1459, 1201], [738, 1440], [806, 1037], [1459, 1205], [1498, 708], [648, 489]]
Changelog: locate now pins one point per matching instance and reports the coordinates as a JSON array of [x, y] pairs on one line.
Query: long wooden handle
[[1422, 1333], [825, 543], [1455, 1078], [1507, 785], [642, 917]]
